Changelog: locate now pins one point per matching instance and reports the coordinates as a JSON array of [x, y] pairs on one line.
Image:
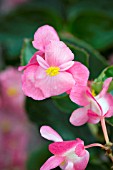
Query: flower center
[[12, 91], [52, 71]]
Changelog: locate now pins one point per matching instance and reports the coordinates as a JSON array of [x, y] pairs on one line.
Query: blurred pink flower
[[7, 5], [69, 155], [95, 107], [51, 71], [13, 142], [11, 96]]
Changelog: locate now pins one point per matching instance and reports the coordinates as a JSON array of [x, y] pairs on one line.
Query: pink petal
[[63, 147], [79, 116], [43, 36], [28, 84], [94, 118], [54, 85], [79, 150], [50, 134], [57, 53], [42, 62], [110, 112], [52, 163], [78, 95], [66, 66], [105, 87], [81, 164], [32, 61], [80, 73]]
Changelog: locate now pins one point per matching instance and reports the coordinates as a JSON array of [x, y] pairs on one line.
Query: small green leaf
[[98, 82], [27, 51]]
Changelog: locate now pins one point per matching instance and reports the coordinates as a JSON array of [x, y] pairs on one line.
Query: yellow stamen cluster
[[5, 126], [52, 71], [93, 92], [12, 91]]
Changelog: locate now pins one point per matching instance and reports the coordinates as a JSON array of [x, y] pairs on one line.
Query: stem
[[95, 144], [104, 129]]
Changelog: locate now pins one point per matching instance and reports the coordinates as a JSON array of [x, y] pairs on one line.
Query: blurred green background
[[86, 26]]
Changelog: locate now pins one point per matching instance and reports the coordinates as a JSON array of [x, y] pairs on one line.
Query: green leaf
[[64, 103], [27, 51], [96, 61], [93, 23], [98, 82]]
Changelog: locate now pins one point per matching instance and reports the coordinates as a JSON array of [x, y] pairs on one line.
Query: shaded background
[[87, 28]]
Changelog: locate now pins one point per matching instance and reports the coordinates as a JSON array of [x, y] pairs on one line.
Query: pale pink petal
[[104, 104], [69, 166], [52, 163], [105, 87], [78, 95], [43, 36], [57, 53], [62, 147], [94, 118], [81, 164], [28, 84], [79, 116], [66, 66], [54, 85], [80, 73], [109, 99], [50, 134], [42, 62], [33, 60]]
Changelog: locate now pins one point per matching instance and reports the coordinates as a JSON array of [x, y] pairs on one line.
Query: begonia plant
[[53, 71]]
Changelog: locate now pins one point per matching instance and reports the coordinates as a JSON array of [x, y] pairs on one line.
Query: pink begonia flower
[[95, 107], [51, 71], [69, 155], [13, 142], [11, 95]]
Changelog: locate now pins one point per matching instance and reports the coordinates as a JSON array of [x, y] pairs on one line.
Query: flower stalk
[[104, 129]]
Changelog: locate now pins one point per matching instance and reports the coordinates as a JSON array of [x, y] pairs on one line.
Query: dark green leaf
[[46, 113], [64, 103], [93, 23], [96, 61], [37, 158]]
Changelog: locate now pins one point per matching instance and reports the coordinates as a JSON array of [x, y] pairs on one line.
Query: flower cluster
[[52, 71], [13, 121]]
